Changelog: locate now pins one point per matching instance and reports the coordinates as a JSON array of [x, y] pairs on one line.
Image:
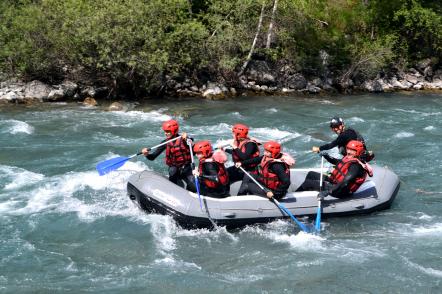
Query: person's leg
[[311, 182], [173, 174], [187, 176], [243, 189], [235, 174], [254, 189]]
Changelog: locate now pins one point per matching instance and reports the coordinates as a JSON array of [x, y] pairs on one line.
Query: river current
[[65, 229]]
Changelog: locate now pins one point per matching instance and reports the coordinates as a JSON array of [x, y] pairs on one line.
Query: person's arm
[[250, 149], [330, 159], [354, 171], [254, 160], [210, 172], [156, 152], [279, 169], [330, 145]]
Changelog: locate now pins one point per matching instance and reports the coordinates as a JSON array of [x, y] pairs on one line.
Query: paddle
[[282, 207], [109, 165], [318, 213], [189, 142]]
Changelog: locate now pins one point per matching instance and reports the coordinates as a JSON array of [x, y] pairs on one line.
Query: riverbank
[[258, 79]]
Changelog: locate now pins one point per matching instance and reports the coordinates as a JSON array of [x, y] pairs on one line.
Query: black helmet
[[336, 122]]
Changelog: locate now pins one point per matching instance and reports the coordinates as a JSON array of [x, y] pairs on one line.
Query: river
[[65, 229]]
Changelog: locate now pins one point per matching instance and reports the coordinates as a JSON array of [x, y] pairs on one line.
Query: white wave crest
[[17, 126], [435, 229], [18, 177], [404, 135], [427, 270], [154, 115], [355, 119], [277, 232], [266, 134], [429, 128]]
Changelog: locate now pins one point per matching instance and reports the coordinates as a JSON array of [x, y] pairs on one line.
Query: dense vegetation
[[137, 43]]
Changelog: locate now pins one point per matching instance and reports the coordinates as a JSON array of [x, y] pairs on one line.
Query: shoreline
[[15, 91]]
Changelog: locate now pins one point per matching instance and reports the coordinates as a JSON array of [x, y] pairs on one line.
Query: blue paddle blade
[[109, 165], [318, 219]]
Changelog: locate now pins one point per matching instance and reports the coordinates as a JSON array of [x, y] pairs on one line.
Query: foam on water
[[266, 134], [430, 230], [285, 232], [427, 270], [404, 135], [153, 116], [16, 178], [355, 119], [429, 128], [18, 127]]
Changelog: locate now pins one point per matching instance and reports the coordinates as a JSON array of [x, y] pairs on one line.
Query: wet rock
[[89, 101], [116, 106], [312, 89]]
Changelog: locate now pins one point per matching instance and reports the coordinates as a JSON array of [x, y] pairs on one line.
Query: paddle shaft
[[164, 143], [189, 142], [282, 207], [319, 211]]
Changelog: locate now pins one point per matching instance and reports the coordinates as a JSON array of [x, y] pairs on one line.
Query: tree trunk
[[272, 20], [252, 48]]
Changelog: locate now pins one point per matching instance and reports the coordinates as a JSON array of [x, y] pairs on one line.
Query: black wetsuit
[[339, 190], [342, 140], [248, 187], [210, 172], [177, 174], [235, 174]]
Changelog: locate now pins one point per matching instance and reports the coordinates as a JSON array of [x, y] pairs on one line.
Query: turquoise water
[[64, 229]]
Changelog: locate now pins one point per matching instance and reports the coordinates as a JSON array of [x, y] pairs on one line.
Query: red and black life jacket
[[177, 153], [242, 148], [341, 170], [223, 177], [268, 178]]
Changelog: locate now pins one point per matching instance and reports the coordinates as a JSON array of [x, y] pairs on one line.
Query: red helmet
[[240, 131], [273, 147], [203, 147], [171, 126], [356, 146]]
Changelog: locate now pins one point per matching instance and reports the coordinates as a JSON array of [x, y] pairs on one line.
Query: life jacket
[[341, 170], [177, 153], [266, 176], [242, 148], [223, 177]]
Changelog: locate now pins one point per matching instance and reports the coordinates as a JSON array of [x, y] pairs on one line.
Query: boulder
[[89, 101], [296, 82], [215, 92], [116, 106], [36, 90]]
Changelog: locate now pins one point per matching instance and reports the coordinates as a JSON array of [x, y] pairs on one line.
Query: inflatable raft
[[156, 194]]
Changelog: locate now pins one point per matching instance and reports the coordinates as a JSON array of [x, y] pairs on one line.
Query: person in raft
[[177, 155], [211, 172], [243, 148], [273, 172], [345, 135], [348, 175]]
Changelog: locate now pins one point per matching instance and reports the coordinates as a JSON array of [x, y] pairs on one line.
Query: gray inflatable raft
[[156, 194]]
